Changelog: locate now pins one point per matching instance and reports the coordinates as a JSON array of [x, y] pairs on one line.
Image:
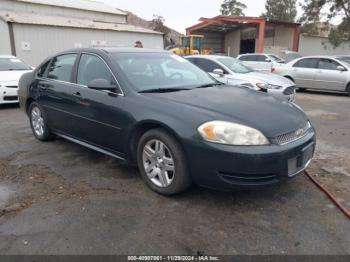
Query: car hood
[[12, 76], [273, 79], [239, 105]]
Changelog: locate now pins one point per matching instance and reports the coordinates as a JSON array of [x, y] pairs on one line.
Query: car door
[[329, 77], [303, 72], [99, 112], [209, 66], [56, 89], [262, 63]]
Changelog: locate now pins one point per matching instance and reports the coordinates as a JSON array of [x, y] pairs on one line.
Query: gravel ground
[[61, 198]]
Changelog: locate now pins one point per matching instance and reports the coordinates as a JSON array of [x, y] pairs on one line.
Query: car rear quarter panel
[[26, 89]]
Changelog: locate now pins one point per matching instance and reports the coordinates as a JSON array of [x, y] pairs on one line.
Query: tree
[[159, 25], [233, 8], [316, 10], [281, 10]]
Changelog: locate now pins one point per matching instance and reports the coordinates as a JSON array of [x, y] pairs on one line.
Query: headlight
[[268, 86], [231, 134], [262, 85], [274, 87]]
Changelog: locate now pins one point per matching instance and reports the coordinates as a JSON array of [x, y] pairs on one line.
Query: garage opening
[[247, 46]]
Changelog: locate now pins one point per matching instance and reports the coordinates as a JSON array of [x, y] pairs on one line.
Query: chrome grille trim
[[293, 136]]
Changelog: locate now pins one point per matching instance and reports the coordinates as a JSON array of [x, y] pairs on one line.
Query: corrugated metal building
[[35, 29]]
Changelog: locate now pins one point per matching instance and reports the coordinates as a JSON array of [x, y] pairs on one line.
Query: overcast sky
[[180, 14]]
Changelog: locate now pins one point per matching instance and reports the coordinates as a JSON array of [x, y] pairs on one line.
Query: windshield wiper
[[210, 85], [163, 90]]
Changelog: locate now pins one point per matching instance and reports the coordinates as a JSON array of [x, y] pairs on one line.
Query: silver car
[[260, 62], [227, 69], [318, 72]]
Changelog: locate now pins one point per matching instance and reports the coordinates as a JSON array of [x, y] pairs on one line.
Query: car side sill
[[90, 146]]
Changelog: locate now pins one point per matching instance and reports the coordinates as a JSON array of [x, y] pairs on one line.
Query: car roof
[[209, 56], [112, 50], [319, 56], [7, 56], [254, 54]]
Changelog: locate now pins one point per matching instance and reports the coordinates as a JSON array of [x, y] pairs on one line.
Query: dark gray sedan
[[178, 124]]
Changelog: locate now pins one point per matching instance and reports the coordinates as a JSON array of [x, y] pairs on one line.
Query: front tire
[[162, 163], [38, 123], [348, 89]]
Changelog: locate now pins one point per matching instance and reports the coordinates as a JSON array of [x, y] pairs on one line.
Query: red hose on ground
[[330, 195]]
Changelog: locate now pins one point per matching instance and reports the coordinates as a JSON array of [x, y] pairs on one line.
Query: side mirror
[[219, 72], [268, 60], [341, 68], [101, 84]]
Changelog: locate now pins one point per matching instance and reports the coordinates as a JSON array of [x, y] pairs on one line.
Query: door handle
[[45, 86]]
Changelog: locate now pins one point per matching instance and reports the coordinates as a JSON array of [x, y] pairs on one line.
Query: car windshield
[[276, 58], [162, 71], [345, 59], [12, 63], [235, 66]]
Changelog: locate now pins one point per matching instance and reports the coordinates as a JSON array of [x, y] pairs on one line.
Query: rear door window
[[260, 58], [61, 67], [245, 58], [307, 63]]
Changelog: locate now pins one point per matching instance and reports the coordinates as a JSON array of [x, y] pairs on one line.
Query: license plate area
[[298, 163]]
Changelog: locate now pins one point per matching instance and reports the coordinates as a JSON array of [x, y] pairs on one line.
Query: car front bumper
[[227, 167], [9, 93]]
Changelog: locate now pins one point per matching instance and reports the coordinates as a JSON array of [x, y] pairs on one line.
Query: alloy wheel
[[37, 121], [158, 163]]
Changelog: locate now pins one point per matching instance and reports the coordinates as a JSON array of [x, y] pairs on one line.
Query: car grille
[[295, 135], [289, 90], [10, 98], [248, 180]]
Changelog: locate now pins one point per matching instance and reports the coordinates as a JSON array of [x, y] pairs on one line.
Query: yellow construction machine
[[189, 45]]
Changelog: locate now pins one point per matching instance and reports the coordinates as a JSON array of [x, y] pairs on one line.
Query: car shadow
[[9, 106]]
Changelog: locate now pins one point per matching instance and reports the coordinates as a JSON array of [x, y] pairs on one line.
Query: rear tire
[[162, 163], [38, 123]]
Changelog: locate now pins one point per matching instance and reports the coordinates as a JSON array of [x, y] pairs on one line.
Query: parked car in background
[[178, 127], [318, 72], [11, 69], [261, 62], [227, 69]]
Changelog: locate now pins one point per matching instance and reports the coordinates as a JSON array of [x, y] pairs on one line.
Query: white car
[[227, 69], [318, 72], [261, 62], [11, 70]]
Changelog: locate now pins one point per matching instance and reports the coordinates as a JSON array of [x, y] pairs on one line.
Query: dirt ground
[[331, 165], [61, 198]]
